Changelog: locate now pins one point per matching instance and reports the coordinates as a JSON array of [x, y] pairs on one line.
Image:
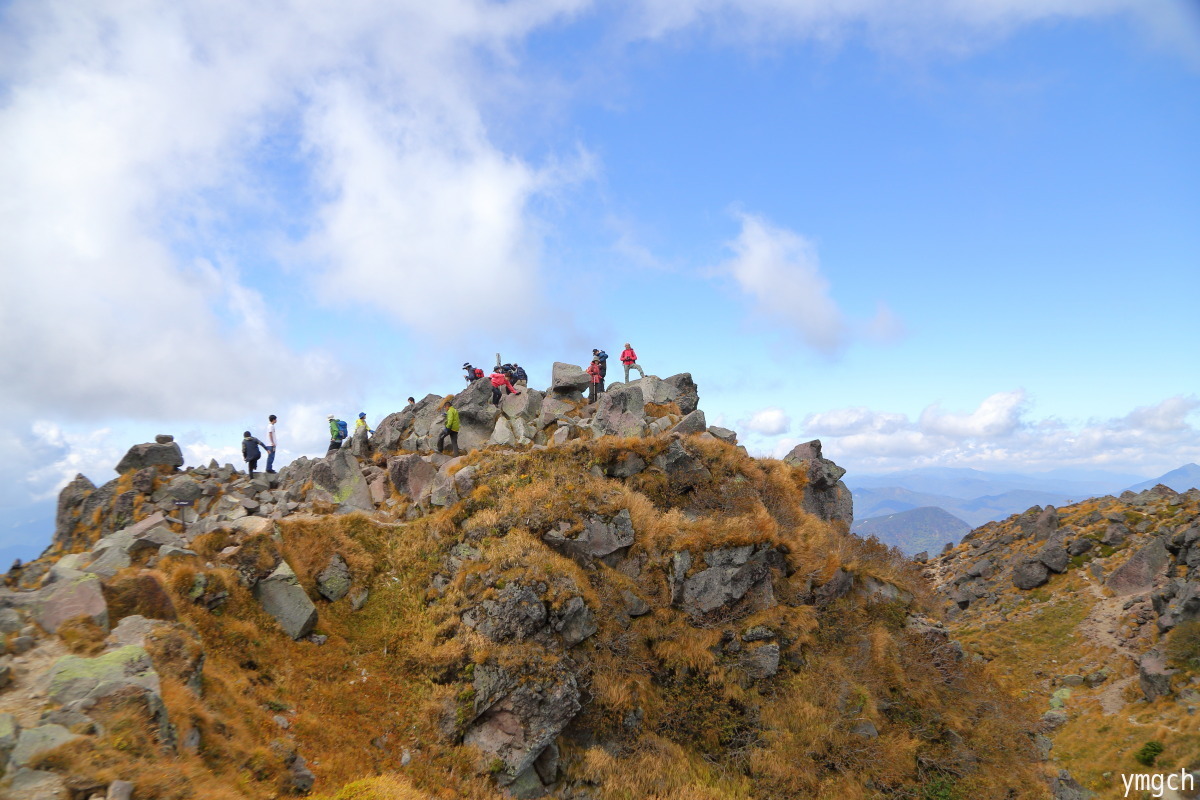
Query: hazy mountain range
[[975, 497]]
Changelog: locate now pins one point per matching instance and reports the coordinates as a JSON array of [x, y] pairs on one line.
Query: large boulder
[[340, 475], [74, 594], [682, 391], [516, 718], [1154, 677], [527, 405], [412, 475], [517, 613], [681, 467], [1030, 574], [33, 742], [737, 579], [394, 428], [825, 494], [75, 678], [71, 502], [692, 423], [282, 596], [151, 454], [602, 540], [1138, 574], [476, 415], [619, 413], [568, 379]]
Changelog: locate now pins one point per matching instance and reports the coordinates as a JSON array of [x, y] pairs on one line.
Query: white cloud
[[997, 416], [779, 270], [999, 434], [768, 422]]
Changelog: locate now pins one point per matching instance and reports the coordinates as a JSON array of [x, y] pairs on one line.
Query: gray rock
[[184, 487], [575, 621], [299, 775], [1080, 546], [1138, 574], [681, 466], [32, 742], [526, 786], [1154, 677], [340, 475], [634, 605], [74, 678], [151, 455], [1045, 524], [723, 587], [74, 596], [1054, 719], [1030, 574], [604, 540], [691, 423], [625, 464], [411, 475], [281, 596], [681, 390], [10, 731], [724, 434], [517, 613], [119, 790], [620, 413], [761, 662], [1115, 535], [568, 379], [526, 406], [865, 729], [1054, 556], [1044, 744], [546, 764], [825, 495], [333, 582], [358, 599], [28, 784], [516, 720], [1064, 787]]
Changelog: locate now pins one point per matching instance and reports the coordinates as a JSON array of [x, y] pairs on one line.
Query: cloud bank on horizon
[[216, 209]]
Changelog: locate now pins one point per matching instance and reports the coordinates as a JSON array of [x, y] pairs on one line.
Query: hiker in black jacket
[[250, 452]]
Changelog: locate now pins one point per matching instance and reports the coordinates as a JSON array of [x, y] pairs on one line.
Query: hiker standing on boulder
[[603, 357], [362, 423], [597, 381], [273, 446], [337, 433], [519, 377], [250, 452], [499, 379], [451, 426], [412, 401], [629, 359]]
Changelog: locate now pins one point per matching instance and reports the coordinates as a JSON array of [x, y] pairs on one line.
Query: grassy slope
[[391, 675]]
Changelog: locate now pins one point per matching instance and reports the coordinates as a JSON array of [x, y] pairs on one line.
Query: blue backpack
[[343, 431]]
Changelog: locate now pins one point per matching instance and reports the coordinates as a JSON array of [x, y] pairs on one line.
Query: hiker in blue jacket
[[603, 357], [250, 452]]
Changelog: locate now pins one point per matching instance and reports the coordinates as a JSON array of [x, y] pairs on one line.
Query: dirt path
[[1100, 627], [26, 698]]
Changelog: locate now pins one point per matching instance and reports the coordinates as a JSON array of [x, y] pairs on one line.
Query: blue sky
[[961, 234]]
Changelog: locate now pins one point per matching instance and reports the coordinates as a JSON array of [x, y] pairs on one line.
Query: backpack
[[343, 431], [478, 372]]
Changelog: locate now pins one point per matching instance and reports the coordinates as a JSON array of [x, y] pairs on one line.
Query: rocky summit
[[1092, 613], [592, 602]]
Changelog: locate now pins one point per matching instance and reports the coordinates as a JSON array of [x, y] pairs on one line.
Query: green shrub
[[1149, 752], [940, 788]]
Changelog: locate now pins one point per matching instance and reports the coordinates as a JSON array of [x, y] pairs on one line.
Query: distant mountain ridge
[[1182, 479], [915, 530], [977, 497]]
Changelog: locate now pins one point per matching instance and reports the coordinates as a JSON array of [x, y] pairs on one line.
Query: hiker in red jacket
[[499, 379], [629, 359], [597, 380]]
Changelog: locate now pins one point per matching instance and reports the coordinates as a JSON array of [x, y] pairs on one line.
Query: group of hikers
[[505, 379]]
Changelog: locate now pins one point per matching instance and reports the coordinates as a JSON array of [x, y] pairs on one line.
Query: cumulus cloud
[[780, 272], [768, 422], [132, 135], [1001, 434]]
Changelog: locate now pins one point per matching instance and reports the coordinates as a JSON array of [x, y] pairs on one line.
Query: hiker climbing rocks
[[519, 377], [603, 357], [250, 452], [499, 379], [362, 423], [451, 426], [272, 445], [412, 401], [629, 359], [337, 433], [597, 381], [473, 374]]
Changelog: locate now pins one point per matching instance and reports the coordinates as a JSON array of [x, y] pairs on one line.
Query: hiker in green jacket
[[451, 427]]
